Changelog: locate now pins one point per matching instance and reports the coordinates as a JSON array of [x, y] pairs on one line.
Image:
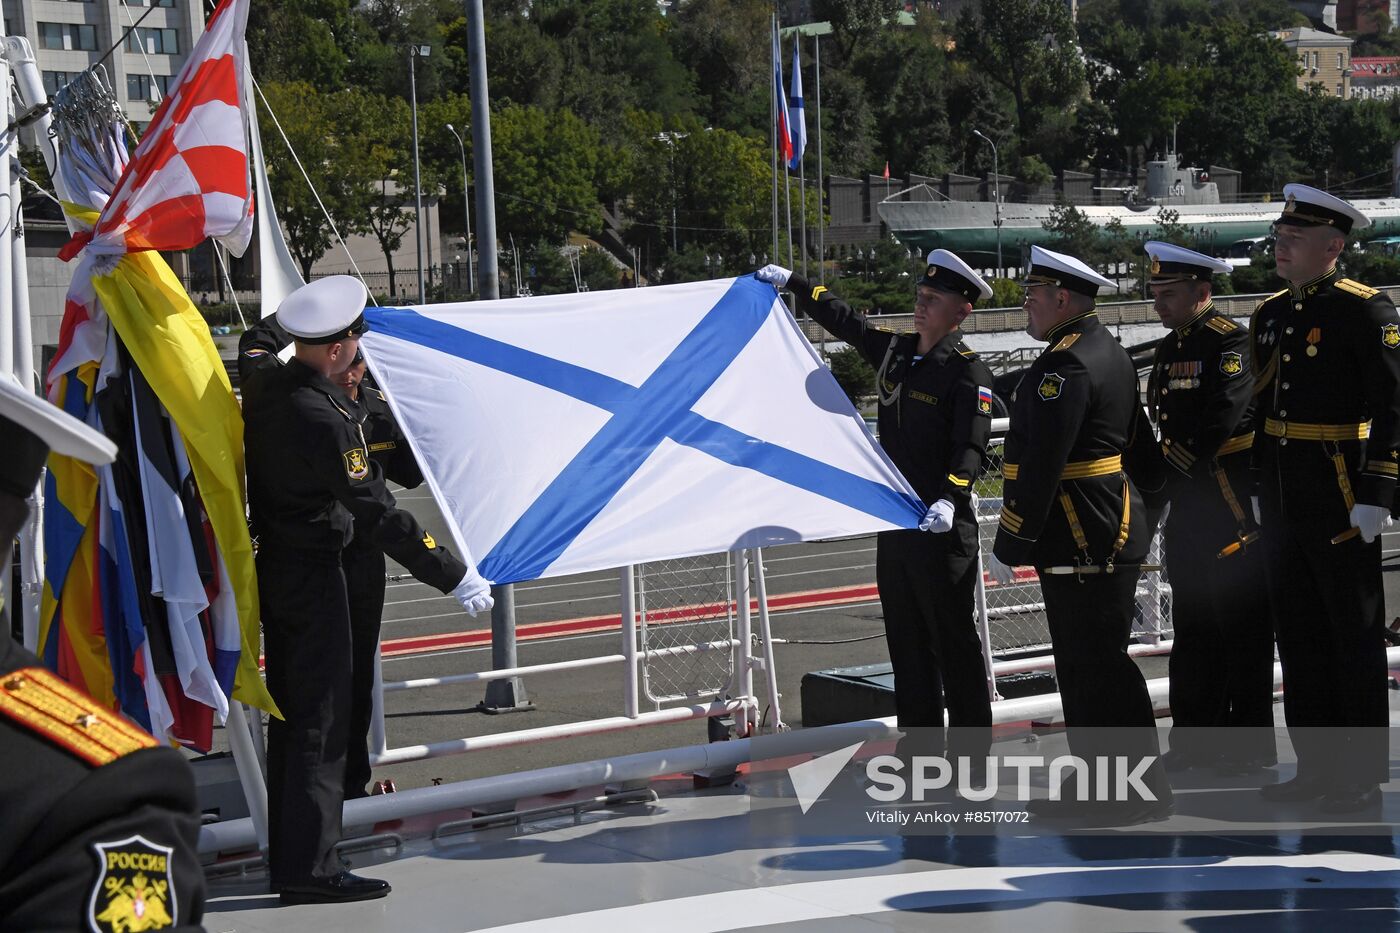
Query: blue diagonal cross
[[642, 417]]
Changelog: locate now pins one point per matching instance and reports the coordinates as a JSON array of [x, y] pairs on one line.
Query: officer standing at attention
[[1071, 512], [935, 417], [100, 825], [1200, 397], [365, 570], [1327, 443], [310, 480]]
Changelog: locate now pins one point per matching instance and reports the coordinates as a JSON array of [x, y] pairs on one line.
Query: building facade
[[1324, 59], [1375, 78], [1367, 16], [69, 36]]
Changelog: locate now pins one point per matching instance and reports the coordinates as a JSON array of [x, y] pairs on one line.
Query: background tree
[[1030, 48]]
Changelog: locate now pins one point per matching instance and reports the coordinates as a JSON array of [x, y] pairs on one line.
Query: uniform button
[[1164, 391], [1297, 306], [1168, 442], [1287, 358], [1164, 416], [1283, 414], [1288, 330], [1164, 367], [1285, 387], [1283, 442]]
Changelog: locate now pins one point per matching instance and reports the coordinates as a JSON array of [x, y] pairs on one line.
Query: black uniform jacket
[[1072, 416], [387, 445], [311, 480], [935, 413], [98, 825], [1200, 397], [1326, 371]]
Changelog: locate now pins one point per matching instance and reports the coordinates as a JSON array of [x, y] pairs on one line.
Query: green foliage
[[853, 374], [1006, 293], [1258, 277], [1370, 267]]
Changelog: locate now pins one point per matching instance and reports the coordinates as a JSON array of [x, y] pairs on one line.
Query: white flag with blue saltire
[[569, 433]]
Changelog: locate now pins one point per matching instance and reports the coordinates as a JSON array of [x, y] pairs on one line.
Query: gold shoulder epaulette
[[1222, 325], [50, 707], [1353, 287], [968, 352], [1065, 343]]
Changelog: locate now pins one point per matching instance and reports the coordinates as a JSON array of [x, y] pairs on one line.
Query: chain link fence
[[1016, 611], [682, 602]]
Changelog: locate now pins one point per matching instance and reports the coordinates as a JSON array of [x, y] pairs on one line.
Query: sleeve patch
[[1231, 364], [356, 463], [1050, 386], [984, 400], [1390, 336], [135, 887], [428, 541], [255, 352]]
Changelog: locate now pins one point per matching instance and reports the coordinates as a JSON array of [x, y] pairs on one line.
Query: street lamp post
[[466, 205], [416, 52], [996, 185]]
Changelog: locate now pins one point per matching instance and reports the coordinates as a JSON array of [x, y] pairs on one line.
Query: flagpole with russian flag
[[797, 110], [778, 122]]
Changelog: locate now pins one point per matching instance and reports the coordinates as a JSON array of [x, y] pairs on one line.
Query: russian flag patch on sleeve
[[984, 400]]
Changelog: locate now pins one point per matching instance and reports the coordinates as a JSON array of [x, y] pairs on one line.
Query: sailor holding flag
[[935, 417]]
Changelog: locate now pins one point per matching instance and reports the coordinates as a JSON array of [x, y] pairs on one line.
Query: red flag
[[189, 177], [887, 169]]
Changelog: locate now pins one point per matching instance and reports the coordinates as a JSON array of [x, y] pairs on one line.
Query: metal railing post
[[984, 624], [629, 642], [765, 633], [250, 775], [743, 651]]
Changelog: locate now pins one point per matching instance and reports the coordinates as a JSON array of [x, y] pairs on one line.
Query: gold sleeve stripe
[[49, 706], [1383, 467], [959, 481], [817, 292]]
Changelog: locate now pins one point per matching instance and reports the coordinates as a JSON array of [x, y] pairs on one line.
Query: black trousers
[[1329, 613], [1108, 711], [364, 584], [1222, 661], [306, 637], [927, 585]]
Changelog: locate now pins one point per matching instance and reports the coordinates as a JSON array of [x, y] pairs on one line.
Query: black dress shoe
[[1242, 767], [1127, 814], [1350, 798], [1295, 790], [342, 887], [1063, 809], [1177, 760]]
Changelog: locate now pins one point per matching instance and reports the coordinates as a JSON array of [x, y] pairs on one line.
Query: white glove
[[1000, 572], [776, 276], [1370, 519], [474, 593], [1258, 519], [939, 517]]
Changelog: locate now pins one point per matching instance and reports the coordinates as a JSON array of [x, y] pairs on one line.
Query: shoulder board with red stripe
[[53, 709]]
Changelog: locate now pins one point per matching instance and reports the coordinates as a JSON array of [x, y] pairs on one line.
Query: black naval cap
[[31, 426], [947, 272], [1306, 206], [325, 311]]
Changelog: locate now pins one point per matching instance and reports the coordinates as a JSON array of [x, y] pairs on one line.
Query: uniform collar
[[1310, 288], [944, 348], [1078, 323], [1185, 329], [314, 379]]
